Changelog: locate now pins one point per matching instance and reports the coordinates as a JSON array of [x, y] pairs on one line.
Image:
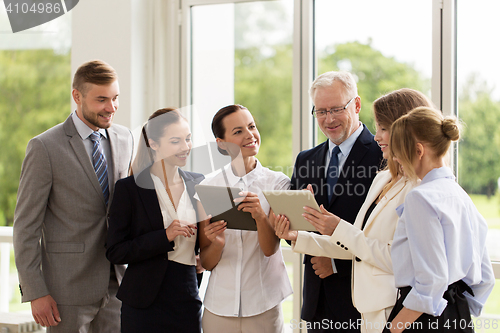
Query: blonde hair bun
[[451, 128]]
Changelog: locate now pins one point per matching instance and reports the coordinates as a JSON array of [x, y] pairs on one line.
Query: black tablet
[[218, 202]]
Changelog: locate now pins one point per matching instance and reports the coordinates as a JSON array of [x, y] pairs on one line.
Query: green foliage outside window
[[264, 86], [377, 74], [479, 148], [35, 90], [35, 87]]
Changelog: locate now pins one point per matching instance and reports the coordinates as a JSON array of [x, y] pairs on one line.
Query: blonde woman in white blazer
[[368, 241]]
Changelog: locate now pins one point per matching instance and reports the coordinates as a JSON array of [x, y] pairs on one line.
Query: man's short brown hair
[[96, 72]]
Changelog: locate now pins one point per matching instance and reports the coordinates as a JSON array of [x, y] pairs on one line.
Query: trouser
[[455, 317], [100, 317], [270, 321]]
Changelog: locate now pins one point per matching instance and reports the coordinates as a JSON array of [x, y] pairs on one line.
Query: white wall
[[116, 31]]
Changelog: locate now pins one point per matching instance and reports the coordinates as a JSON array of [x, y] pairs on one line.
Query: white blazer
[[373, 286]]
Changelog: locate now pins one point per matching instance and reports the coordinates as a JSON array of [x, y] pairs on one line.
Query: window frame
[[443, 80]]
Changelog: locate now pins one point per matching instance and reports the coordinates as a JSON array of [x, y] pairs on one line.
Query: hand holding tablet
[[291, 203], [219, 201]]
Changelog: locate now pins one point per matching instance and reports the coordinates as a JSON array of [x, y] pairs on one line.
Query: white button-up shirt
[[183, 252], [245, 282], [345, 149], [440, 239], [84, 131]]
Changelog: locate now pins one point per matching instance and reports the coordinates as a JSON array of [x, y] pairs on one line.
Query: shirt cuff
[[421, 303], [299, 243], [333, 266]]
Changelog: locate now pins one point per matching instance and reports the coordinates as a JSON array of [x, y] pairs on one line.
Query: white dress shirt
[[440, 239], [345, 149], [183, 252], [245, 282], [84, 131]]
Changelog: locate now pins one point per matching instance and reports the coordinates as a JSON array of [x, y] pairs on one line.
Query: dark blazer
[[351, 189], [136, 236]]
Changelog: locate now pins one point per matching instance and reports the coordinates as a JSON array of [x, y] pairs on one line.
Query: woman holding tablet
[[248, 279], [152, 228], [441, 265], [368, 241]]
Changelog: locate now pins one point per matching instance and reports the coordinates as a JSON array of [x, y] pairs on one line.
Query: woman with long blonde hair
[[368, 241]]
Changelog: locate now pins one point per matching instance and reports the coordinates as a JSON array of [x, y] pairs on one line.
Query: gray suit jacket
[[60, 218]]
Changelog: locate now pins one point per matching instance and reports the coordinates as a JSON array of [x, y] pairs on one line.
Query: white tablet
[[291, 203]]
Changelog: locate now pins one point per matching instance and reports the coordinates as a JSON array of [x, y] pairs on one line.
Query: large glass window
[[479, 109], [387, 45], [35, 94], [242, 54], [35, 85]]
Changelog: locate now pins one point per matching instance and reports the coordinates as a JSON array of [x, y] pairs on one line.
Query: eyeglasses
[[333, 112]]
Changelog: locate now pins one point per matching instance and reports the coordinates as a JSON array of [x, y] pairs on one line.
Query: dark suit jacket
[[136, 236], [352, 187]]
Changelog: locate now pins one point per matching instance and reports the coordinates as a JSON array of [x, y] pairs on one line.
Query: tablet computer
[[218, 202], [290, 203]]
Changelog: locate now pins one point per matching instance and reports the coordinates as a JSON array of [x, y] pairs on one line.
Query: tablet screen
[[216, 201], [290, 203]]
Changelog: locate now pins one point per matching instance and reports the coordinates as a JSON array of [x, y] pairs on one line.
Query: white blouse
[[245, 282], [183, 252]]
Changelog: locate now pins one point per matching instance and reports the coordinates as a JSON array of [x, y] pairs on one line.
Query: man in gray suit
[[67, 181]]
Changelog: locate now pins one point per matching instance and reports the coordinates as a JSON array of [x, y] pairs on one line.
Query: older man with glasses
[[340, 172]]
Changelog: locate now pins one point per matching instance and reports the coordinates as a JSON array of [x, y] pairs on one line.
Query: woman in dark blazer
[[152, 228]]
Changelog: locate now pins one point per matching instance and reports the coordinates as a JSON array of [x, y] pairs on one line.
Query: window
[[242, 54], [479, 108], [35, 85], [388, 45], [382, 45]]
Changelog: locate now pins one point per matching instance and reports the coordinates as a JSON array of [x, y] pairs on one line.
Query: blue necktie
[[333, 172], [100, 165]]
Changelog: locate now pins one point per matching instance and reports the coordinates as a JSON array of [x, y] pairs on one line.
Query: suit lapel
[[147, 193], [115, 157], [375, 190], [189, 181], [395, 189], [76, 144], [149, 198], [319, 180], [190, 184]]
